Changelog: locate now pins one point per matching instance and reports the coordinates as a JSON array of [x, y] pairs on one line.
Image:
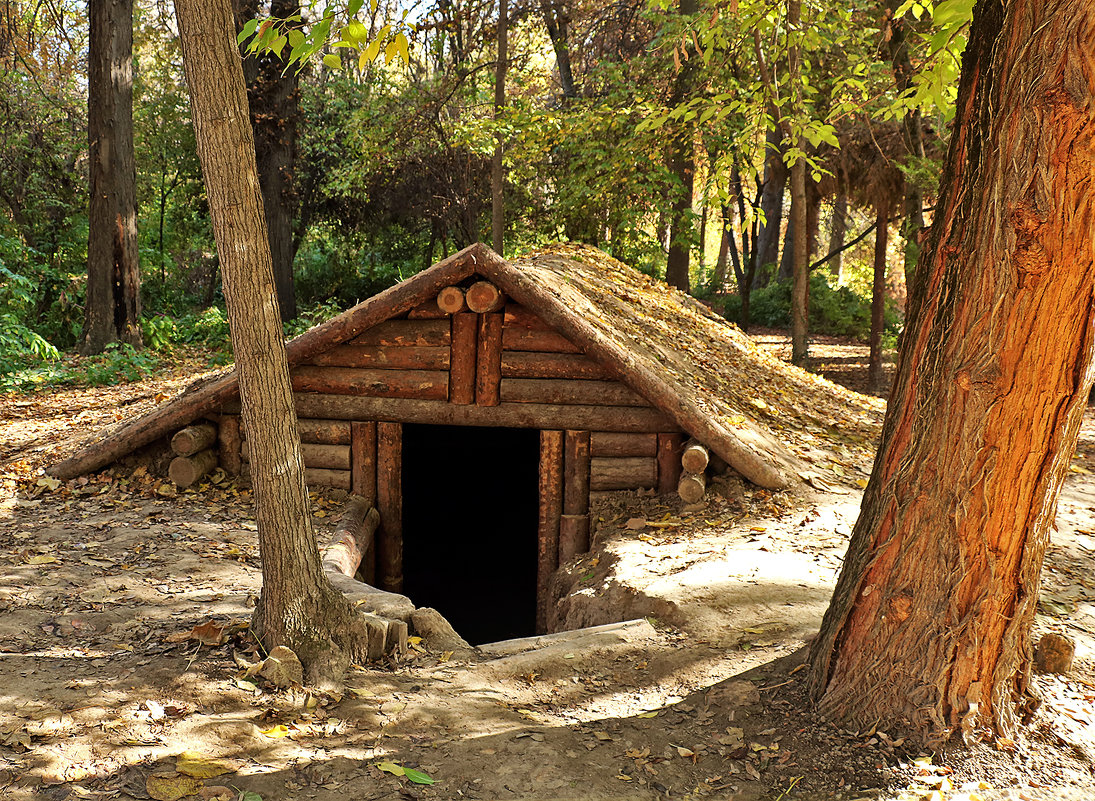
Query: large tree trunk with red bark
[[929, 626], [298, 607]]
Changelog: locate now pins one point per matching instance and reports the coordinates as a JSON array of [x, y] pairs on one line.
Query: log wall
[[469, 358]]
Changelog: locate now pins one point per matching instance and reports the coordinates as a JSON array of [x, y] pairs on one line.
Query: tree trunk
[[837, 231], [929, 626], [682, 165], [912, 134], [878, 297], [274, 100], [800, 289], [498, 211], [556, 19], [112, 312], [766, 249], [298, 607]]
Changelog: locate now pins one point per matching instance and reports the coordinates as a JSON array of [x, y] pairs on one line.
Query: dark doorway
[[470, 510]]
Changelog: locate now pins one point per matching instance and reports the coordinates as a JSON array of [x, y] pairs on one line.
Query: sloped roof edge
[[200, 399]]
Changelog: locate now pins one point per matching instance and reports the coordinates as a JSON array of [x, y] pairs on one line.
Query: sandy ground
[[124, 651]]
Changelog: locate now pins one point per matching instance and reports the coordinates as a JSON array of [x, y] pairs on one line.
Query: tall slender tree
[[298, 607], [930, 622], [113, 307]]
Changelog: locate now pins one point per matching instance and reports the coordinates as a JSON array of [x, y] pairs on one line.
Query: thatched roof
[[759, 414]]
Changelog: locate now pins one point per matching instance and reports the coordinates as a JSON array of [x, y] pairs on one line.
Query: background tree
[[113, 305], [930, 621]]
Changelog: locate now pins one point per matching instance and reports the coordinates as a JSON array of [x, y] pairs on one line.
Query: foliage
[[837, 311]]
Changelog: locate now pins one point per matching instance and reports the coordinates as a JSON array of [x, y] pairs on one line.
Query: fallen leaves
[[172, 787], [410, 774]]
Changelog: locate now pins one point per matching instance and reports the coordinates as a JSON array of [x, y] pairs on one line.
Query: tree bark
[[766, 249], [112, 312], [929, 626], [556, 19], [498, 210], [682, 164], [878, 297], [298, 607], [273, 96], [800, 288], [837, 231]]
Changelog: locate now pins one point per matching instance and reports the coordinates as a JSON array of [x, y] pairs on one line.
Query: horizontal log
[[517, 364], [694, 457], [536, 339], [426, 333], [335, 457], [353, 539], [391, 357], [512, 415], [428, 384], [426, 311], [483, 297], [193, 439], [609, 443], [692, 487], [633, 472], [518, 316], [451, 300], [318, 477], [188, 470], [325, 432], [562, 390]]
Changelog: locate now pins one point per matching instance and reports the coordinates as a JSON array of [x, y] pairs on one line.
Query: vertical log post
[[363, 482], [229, 444], [462, 358], [389, 502], [551, 509], [574, 525], [669, 462], [488, 365]]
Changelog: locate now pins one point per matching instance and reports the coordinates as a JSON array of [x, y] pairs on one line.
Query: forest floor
[[123, 643]]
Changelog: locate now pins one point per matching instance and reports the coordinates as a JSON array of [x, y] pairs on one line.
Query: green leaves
[[417, 777]]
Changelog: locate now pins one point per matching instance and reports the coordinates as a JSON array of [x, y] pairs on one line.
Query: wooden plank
[[389, 502], [390, 357], [569, 391], [518, 316], [669, 462], [611, 443], [363, 460], [632, 472], [426, 384], [462, 358], [551, 510], [320, 477], [324, 432], [511, 415], [573, 536], [427, 333], [576, 471], [518, 364], [229, 442], [488, 363], [536, 339]]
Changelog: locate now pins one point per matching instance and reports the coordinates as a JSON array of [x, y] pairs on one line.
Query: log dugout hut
[[477, 404]]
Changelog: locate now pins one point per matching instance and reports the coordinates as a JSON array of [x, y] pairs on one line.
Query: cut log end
[[483, 296], [692, 487], [451, 300], [695, 457], [194, 438]]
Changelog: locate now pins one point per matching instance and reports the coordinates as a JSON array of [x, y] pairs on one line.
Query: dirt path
[[124, 647]]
